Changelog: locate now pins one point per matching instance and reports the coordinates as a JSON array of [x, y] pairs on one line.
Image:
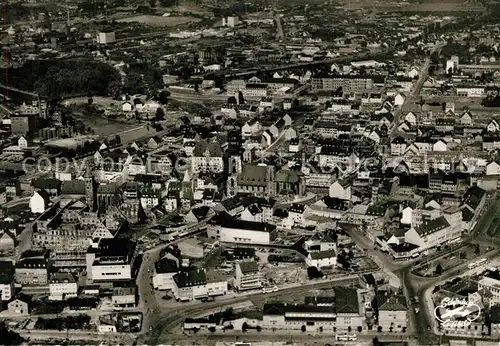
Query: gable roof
[[387, 302], [473, 197], [346, 300], [432, 226], [190, 278], [322, 254]]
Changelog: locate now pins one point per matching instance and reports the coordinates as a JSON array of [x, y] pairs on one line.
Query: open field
[[159, 20]]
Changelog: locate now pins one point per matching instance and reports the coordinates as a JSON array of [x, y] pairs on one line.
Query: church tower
[[89, 188]]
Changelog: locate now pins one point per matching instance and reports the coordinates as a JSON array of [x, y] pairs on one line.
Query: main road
[[416, 89]]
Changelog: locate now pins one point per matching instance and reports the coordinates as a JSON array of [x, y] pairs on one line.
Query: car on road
[[417, 310], [415, 299], [270, 289]]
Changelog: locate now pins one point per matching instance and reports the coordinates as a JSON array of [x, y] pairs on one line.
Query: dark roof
[[166, 265], [335, 203], [403, 247], [346, 300], [73, 187], [320, 300], [254, 175], [115, 247], [387, 302], [432, 226], [32, 263], [473, 197], [23, 297], [201, 212], [213, 148], [190, 278], [243, 252], [247, 225], [248, 267], [47, 184], [322, 254]]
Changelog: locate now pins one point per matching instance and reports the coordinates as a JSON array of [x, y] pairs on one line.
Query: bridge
[[3, 86]]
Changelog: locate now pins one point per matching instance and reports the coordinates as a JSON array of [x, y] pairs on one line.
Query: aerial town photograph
[[250, 173]]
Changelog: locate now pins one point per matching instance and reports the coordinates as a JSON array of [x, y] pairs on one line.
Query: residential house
[[341, 189], [21, 305], [39, 202], [165, 269], [8, 240], [398, 146], [399, 99], [472, 204], [251, 128], [392, 312], [320, 259]]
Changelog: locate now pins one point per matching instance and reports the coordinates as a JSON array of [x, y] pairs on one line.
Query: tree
[[167, 3], [152, 3], [259, 328], [134, 84], [375, 341], [90, 100], [9, 337], [439, 269], [163, 97], [379, 329], [244, 327], [314, 273], [321, 329], [477, 251], [115, 89], [160, 114], [303, 328], [212, 329]]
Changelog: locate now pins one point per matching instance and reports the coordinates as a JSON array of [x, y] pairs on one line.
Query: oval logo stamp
[[456, 313]]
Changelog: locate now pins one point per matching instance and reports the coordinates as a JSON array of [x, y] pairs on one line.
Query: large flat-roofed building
[[110, 260], [230, 230]]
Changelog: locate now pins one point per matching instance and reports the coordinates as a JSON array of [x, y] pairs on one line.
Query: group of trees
[[141, 79], [69, 322], [56, 78], [344, 258], [9, 337]]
